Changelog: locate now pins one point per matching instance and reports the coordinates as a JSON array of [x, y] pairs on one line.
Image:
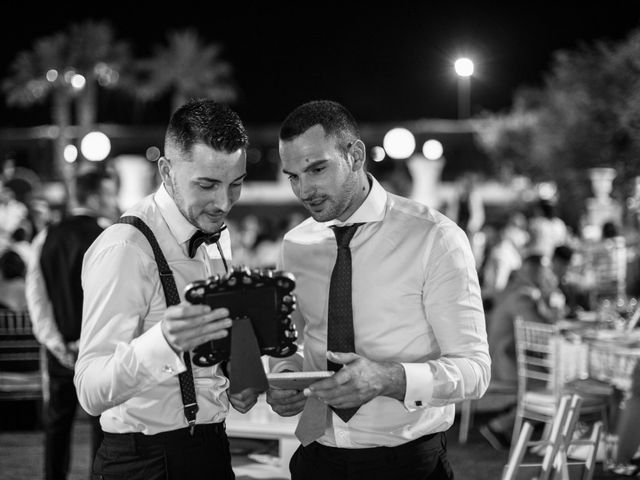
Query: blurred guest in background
[[12, 281], [22, 238], [12, 213], [526, 295], [414, 338], [55, 296], [571, 292], [547, 230], [163, 416], [504, 258], [609, 264], [467, 210]]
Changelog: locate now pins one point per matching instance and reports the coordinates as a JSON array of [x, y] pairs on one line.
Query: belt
[[172, 437]]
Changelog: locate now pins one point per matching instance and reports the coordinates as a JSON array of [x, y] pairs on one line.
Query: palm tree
[[66, 67], [100, 59], [185, 68], [40, 74]]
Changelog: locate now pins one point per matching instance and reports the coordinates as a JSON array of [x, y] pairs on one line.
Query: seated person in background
[[526, 295], [570, 287], [609, 263], [12, 289], [503, 259], [546, 228]]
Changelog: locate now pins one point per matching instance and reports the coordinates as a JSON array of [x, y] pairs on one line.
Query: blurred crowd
[[256, 239], [576, 271]]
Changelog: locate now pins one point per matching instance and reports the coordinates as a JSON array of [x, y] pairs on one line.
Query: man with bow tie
[[162, 416]]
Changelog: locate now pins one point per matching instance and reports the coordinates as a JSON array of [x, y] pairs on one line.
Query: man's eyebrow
[[215, 180], [313, 164]]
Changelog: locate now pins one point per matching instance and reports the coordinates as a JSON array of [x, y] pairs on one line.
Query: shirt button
[[167, 369]]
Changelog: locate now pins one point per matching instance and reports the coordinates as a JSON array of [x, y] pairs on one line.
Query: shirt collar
[[371, 210], [179, 226]]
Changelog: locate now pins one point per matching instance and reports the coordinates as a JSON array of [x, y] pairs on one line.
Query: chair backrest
[[613, 363], [537, 356], [19, 350], [20, 357]]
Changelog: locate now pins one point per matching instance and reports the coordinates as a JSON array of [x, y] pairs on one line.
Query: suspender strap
[[187, 387]]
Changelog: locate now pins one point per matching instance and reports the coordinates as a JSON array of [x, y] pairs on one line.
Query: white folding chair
[[554, 464], [541, 384]]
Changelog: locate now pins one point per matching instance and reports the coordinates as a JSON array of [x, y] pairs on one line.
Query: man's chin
[[210, 226], [321, 216]]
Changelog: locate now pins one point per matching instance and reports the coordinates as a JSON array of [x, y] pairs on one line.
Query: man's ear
[[164, 167], [358, 153]]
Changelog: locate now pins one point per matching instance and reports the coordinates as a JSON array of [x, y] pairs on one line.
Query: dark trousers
[[58, 422], [167, 456], [422, 459]]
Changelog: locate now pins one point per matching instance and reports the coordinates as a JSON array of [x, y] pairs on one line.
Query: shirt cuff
[[55, 342], [419, 385], [156, 355]]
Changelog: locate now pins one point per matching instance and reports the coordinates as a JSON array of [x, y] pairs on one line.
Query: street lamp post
[[464, 70]]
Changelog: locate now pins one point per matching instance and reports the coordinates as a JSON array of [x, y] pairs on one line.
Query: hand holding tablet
[[295, 380]]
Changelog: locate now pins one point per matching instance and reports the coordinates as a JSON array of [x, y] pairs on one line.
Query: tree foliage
[[185, 67], [587, 114]]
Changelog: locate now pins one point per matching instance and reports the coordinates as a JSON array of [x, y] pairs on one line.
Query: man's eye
[[206, 186], [318, 170]]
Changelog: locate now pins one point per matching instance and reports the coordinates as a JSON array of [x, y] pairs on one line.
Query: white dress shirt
[[416, 300], [43, 322], [126, 371]]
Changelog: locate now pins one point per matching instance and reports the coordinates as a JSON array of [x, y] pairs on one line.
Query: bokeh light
[[399, 143], [464, 67], [432, 149], [52, 75], [152, 154], [78, 81], [377, 153], [95, 146], [70, 153]]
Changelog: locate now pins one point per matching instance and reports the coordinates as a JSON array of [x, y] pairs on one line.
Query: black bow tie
[[199, 237]]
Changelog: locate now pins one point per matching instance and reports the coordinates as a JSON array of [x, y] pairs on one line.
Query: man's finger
[[342, 358]]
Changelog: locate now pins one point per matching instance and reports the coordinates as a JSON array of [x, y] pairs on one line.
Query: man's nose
[[307, 188], [222, 200]]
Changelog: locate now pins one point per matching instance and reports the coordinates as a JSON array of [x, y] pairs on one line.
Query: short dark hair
[[11, 265], [206, 121], [89, 183], [334, 118], [609, 230], [547, 208], [563, 252]]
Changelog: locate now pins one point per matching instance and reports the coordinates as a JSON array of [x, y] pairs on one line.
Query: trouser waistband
[[172, 437], [426, 442]]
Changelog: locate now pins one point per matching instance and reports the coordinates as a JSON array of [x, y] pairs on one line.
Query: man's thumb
[[342, 357]]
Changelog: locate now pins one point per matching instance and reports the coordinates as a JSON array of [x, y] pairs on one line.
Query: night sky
[[385, 63]]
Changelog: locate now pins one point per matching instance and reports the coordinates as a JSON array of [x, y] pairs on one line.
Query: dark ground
[[21, 449]]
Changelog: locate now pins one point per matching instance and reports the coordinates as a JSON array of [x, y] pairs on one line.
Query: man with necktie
[[163, 417], [388, 298]]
